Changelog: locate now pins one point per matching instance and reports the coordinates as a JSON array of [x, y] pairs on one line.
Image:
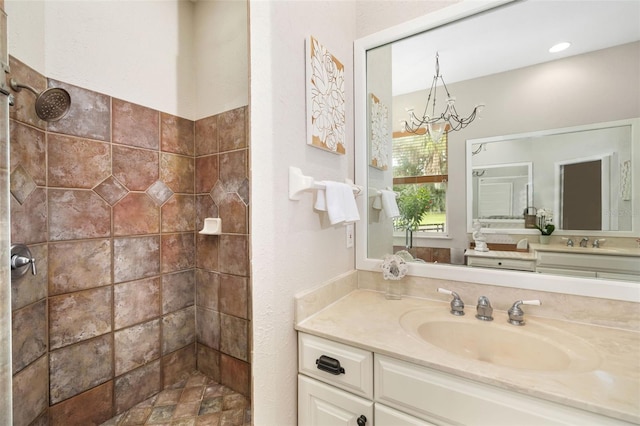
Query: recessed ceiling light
[[559, 47]]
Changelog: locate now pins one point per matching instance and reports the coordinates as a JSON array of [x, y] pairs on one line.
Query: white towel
[[389, 204], [339, 201]]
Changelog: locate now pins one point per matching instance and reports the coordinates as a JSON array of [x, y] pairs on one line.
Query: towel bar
[[299, 183]]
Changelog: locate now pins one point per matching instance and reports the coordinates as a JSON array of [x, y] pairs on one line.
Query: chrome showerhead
[[51, 104]]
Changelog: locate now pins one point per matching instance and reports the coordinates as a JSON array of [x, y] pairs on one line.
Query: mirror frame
[[599, 288]]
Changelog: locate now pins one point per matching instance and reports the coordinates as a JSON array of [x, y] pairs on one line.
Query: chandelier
[[436, 124]]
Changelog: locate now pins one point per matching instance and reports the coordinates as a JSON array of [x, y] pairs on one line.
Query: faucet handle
[[568, 240], [598, 241], [516, 314], [457, 305]]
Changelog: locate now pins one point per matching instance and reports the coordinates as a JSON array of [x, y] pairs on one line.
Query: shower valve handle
[[18, 261]]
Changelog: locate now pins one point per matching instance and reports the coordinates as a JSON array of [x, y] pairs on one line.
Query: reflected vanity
[[547, 119]]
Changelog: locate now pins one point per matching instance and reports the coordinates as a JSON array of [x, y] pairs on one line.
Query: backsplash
[[128, 296]]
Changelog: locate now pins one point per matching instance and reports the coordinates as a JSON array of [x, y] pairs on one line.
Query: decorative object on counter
[[394, 268], [380, 134], [437, 123], [478, 237], [212, 226], [530, 217], [523, 245], [325, 99], [544, 218]]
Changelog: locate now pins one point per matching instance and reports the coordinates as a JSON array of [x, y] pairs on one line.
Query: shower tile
[[207, 136], [234, 337], [77, 163], [235, 374], [31, 288], [178, 291], [207, 252], [209, 363], [29, 220], [30, 388], [111, 190], [136, 301], [233, 169], [21, 184], [234, 254], [79, 265], [244, 190], [136, 214], [231, 130], [28, 334], [135, 258], [136, 168], [178, 134], [207, 289], [29, 149], [206, 173], [208, 327], [178, 365], [178, 330], [135, 125], [179, 214], [234, 297], [77, 214], [234, 214], [79, 316], [76, 368], [178, 252], [205, 207], [92, 407], [137, 385], [89, 115], [136, 346], [218, 193], [24, 110], [159, 192], [177, 172]]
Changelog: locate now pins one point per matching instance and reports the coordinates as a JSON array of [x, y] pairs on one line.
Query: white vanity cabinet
[[616, 267], [372, 389]]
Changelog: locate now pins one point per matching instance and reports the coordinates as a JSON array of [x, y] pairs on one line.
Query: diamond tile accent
[[218, 193], [21, 184], [159, 192], [111, 190], [243, 191]]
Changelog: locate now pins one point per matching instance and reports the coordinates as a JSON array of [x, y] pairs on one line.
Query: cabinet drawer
[[568, 272], [357, 376], [446, 399], [322, 405], [386, 416], [502, 263]]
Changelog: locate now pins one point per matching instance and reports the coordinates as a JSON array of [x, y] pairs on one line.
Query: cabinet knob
[[362, 420]]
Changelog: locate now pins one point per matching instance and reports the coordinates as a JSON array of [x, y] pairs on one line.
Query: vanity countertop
[[367, 320], [524, 255], [607, 251]]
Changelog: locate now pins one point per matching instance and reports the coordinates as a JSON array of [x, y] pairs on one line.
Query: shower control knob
[[21, 258]]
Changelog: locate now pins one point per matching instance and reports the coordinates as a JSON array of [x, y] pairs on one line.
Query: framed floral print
[[325, 99]]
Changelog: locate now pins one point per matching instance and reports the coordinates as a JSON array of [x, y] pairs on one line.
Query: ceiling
[[510, 37]]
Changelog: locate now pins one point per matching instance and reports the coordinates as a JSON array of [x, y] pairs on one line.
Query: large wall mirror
[[549, 122]]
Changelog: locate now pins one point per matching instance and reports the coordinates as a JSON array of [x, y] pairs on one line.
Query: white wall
[[180, 57], [293, 247]]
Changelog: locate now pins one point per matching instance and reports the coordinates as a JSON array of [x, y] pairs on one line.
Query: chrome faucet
[[597, 242], [569, 242], [584, 241], [516, 314], [457, 305], [484, 311]]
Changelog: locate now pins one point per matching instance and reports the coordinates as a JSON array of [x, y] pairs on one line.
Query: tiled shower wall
[[128, 296]]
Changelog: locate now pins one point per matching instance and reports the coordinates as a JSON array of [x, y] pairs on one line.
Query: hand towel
[[377, 202], [321, 201], [389, 204], [340, 202]]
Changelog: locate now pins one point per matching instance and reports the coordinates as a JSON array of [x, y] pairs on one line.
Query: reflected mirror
[[549, 122]]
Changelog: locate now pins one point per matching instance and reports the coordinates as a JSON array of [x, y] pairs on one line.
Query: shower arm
[[18, 87]]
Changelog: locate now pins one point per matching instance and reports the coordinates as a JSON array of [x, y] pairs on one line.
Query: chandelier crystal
[[436, 124]]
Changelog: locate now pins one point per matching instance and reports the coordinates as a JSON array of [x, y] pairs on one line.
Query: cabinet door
[[323, 405], [386, 416]]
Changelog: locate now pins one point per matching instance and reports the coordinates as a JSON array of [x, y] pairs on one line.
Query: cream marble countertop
[[520, 255], [576, 249], [367, 320]]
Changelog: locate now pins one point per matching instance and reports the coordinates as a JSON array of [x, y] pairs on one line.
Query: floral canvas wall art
[[379, 134], [325, 99]]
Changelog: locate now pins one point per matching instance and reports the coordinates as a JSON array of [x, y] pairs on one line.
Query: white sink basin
[[534, 346]]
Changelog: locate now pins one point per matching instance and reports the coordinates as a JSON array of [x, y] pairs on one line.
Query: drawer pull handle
[[330, 365], [362, 420]]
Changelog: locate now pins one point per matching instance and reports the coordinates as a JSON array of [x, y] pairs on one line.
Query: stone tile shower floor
[[195, 401]]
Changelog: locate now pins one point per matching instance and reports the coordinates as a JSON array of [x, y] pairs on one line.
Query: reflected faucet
[[484, 309], [584, 241], [597, 242]]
